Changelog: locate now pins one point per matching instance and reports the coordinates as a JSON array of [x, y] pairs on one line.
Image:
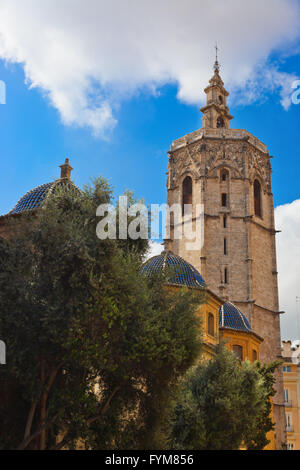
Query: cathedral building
[[227, 172]]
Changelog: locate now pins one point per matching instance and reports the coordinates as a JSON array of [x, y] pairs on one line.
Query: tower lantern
[[216, 112], [66, 170]]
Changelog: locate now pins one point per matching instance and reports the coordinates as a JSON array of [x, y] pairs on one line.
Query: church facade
[[227, 172]]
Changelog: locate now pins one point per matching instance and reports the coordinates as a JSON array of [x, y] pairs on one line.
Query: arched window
[[257, 198], [187, 193], [224, 175], [211, 324], [254, 355], [238, 351], [220, 122]]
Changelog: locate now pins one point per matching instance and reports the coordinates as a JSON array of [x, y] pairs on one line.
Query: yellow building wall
[[210, 339], [250, 343], [292, 405], [211, 306]]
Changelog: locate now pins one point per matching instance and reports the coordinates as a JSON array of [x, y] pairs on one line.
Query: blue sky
[[34, 141], [112, 86]]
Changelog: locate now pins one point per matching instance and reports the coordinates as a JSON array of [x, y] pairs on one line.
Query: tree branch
[[30, 419], [27, 441], [105, 408], [91, 420]]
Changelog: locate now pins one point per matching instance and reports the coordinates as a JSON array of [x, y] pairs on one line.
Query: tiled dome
[[231, 317], [36, 197], [181, 272]]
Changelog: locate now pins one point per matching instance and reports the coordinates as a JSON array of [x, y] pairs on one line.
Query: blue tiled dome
[[182, 273], [231, 317], [32, 199], [35, 198]]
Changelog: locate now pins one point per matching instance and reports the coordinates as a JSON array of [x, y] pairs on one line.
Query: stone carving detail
[[184, 161], [229, 155], [204, 159], [260, 166]]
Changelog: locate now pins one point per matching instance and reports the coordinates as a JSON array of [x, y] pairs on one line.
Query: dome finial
[[65, 170]]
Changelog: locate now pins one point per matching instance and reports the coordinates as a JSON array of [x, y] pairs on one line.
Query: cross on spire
[[217, 66]]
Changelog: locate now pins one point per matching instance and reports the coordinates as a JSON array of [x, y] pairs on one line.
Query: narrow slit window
[[225, 276], [224, 200], [225, 246], [225, 221], [257, 198]]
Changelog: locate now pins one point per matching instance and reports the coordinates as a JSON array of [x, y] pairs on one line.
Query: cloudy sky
[[111, 84]]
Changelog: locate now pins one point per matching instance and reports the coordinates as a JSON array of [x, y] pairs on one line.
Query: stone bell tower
[[216, 112], [227, 172]]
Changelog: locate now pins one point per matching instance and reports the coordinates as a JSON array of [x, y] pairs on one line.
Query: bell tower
[[216, 112], [227, 173]]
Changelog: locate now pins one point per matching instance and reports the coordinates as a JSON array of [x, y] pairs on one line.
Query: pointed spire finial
[[217, 65]]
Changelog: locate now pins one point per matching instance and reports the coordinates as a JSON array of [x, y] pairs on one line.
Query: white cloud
[[265, 79], [89, 55], [155, 249], [287, 219]]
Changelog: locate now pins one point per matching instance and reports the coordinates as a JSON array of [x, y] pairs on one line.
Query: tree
[[223, 405], [92, 346]]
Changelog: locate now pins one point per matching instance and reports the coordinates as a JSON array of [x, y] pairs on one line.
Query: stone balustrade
[[219, 134]]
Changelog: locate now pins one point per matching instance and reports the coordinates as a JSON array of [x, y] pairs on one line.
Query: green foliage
[[75, 312], [223, 405]]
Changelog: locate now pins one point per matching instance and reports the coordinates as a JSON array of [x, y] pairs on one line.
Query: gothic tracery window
[[257, 198]]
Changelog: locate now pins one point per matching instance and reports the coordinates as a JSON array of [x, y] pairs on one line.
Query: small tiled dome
[[181, 272], [231, 317], [35, 197]]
